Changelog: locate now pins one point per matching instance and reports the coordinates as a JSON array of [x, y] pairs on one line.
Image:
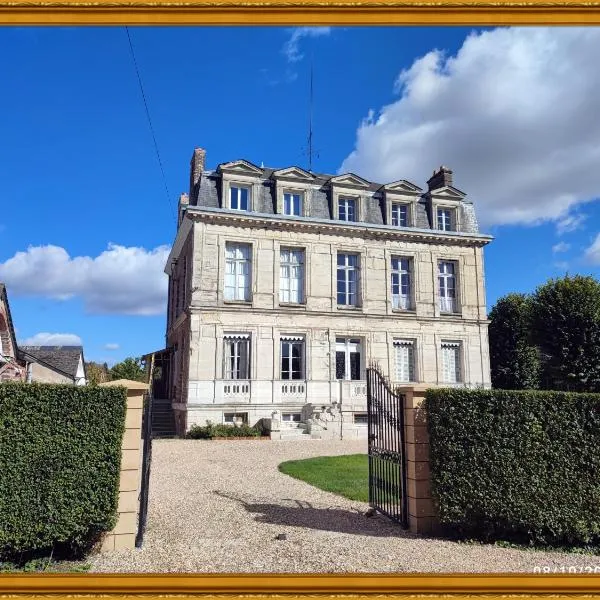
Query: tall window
[[239, 197], [447, 283], [451, 368], [347, 358], [236, 356], [292, 204], [401, 284], [291, 280], [400, 215], [445, 217], [238, 271], [348, 271], [404, 351], [292, 358], [347, 209]]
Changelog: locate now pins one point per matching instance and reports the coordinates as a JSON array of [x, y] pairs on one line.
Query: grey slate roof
[[64, 359], [208, 191]]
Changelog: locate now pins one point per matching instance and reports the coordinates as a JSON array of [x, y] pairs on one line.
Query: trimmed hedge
[[60, 458], [210, 431], [517, 465]]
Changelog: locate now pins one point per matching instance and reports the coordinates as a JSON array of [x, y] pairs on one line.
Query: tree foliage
[[130, 368], [514, 360], [565, 326], [96, 373]]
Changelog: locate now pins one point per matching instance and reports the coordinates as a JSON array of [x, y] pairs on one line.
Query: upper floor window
[[291, 279], [404, 354], [292, 358], [401, 283], [348, 271], [447, 284], [236, 356], [238, 271], [446, 219], [239, 198], [348, 363], [347, 209], [292, 204], [400, 215], [451, 367]]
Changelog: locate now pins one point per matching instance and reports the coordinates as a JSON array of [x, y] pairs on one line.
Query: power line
[[162, 170]]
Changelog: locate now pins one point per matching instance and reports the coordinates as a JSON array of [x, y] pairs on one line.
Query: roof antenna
[[311, 152]]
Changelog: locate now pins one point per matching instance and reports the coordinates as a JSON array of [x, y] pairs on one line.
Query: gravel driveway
[[218, 507]]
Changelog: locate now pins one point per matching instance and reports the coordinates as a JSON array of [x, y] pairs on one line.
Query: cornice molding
[[338, 228]]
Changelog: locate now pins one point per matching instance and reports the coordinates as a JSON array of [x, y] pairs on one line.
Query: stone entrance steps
[[163, 419], [297, 431]]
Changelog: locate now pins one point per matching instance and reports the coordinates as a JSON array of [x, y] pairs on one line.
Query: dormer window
[[292, 204], [239, 197], [347, 209], [446, 219], [400, 215]]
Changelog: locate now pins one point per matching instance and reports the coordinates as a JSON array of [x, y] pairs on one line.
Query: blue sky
[[86, 222]]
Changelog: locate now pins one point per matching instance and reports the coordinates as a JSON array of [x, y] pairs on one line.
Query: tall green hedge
[[522, 466], [60, 457]]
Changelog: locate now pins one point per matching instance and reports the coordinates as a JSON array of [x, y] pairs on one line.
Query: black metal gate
[[146, 461], [387, 460]]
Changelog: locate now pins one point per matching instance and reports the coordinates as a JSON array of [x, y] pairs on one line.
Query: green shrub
[[60, 457], [210, 431], [521, 466]]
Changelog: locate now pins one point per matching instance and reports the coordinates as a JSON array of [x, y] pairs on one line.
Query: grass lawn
[[346, 475]]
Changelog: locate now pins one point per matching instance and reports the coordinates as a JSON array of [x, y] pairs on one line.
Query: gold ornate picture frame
[[288, 13]]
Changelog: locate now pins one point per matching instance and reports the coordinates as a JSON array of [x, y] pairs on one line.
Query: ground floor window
[[236, 356], [451, 364], [348, 361], [292, 357], [236, 418], [361, 419], [291, 417], [404, 355]]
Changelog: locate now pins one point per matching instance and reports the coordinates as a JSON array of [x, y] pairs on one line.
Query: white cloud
[[514, 114], [52, 339], [111, 346], [592, 253], [560, 247], [291, 48], [569, 223], [561, 265], [121, 280]]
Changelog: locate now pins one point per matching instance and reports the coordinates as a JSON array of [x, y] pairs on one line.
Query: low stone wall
[[124, 533]]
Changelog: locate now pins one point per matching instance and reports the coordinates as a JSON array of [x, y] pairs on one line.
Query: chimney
[[440, 178], [184, 201], [196, 167]]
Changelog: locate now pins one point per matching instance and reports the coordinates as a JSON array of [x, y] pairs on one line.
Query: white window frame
[[292, 340], [446, 218], [347, 345], [291, 417], [288, 196], [344, 201], [238, 284], [405, 373], [451, 373], [238, 187], [395, 218], [291, 290], [235, 418], [345, 271], [401, 276], [448, 293], [236, 351]]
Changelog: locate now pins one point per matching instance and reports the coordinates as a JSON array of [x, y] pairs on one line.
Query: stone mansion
[[284, 284]]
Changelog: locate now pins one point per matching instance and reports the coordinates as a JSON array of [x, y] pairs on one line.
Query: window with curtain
[[451, 367], [292, 357], [348, 272], [446, 219], [291, 280], [404, 351], [401, 283], [238, 271], [447, 285], [236, 357], [348, 359]]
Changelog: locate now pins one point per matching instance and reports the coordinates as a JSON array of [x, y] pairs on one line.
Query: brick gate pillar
[[422, 516]]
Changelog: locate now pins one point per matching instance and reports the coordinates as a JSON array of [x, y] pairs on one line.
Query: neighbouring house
[[12, 368], [54, 364], [284, 284]]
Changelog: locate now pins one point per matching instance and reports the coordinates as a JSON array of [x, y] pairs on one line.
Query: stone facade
[[335, 340]]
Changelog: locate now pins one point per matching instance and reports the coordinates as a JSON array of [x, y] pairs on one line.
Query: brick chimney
[[196, 167], [440, 178], [184, 201]]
